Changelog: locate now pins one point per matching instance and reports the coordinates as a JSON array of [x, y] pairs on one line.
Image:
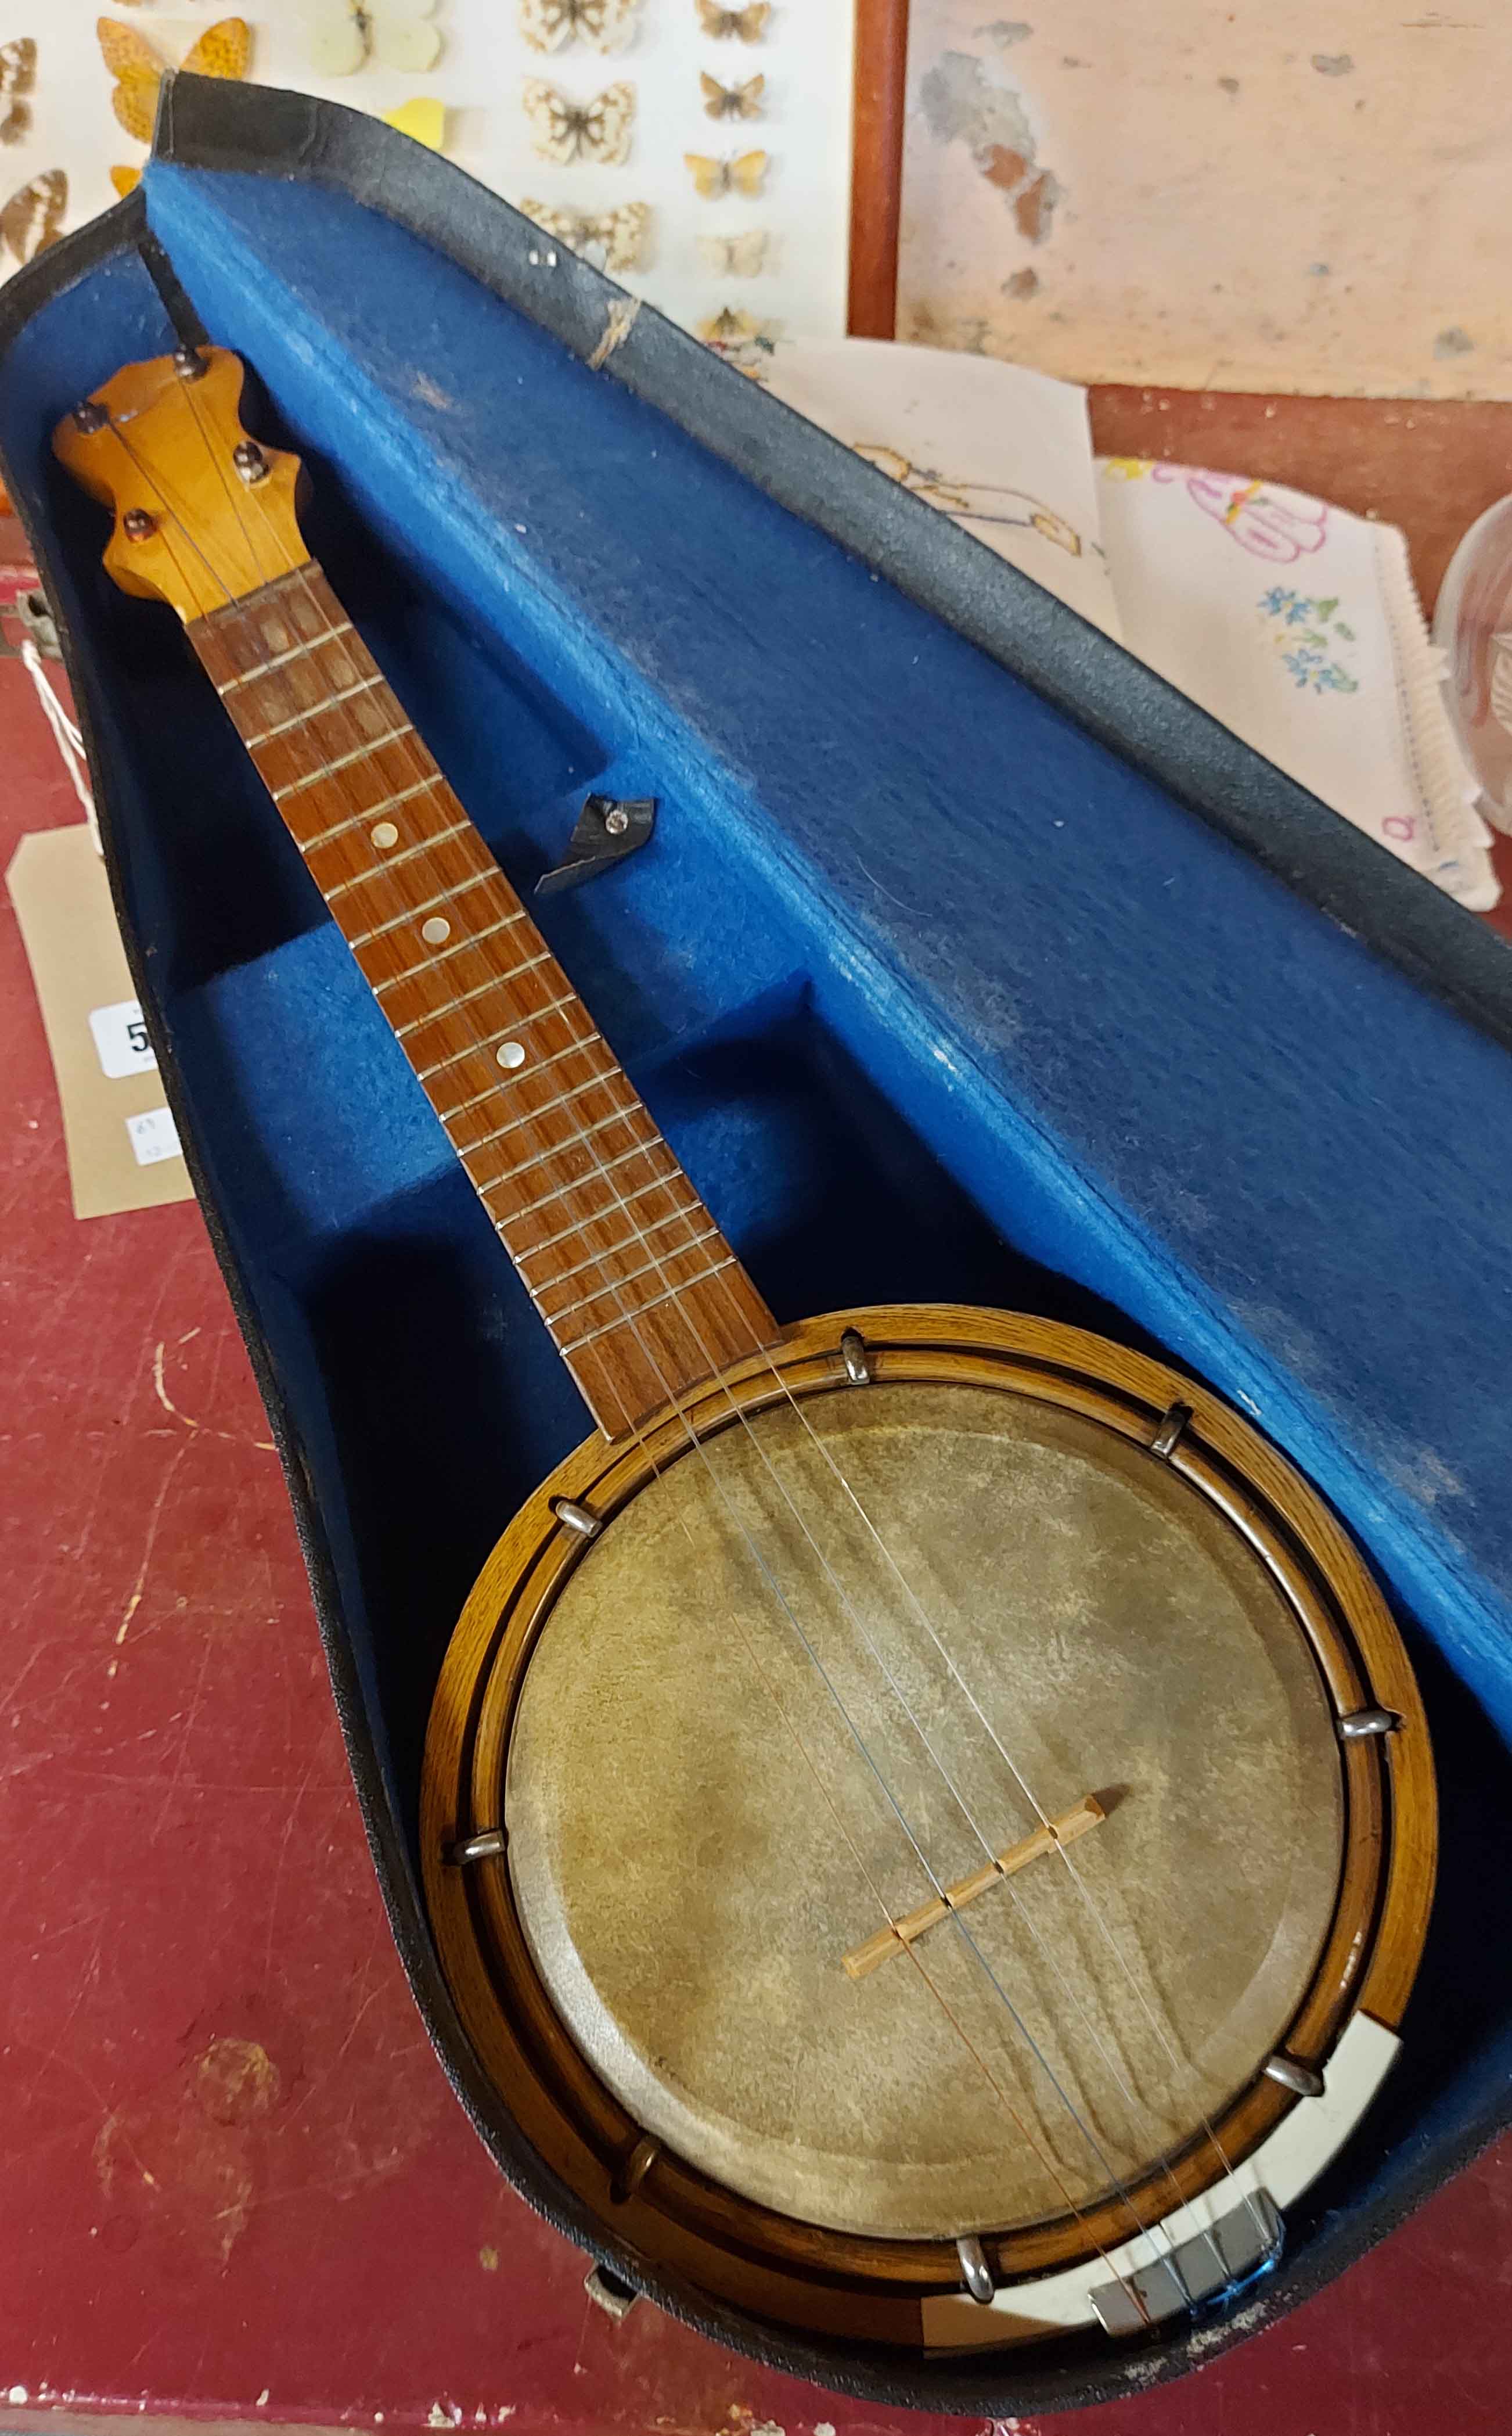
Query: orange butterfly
[[222, 50]]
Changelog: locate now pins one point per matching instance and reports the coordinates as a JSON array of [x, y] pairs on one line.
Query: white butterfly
[[613, 239], [547, 24], [564, 131], [741, 256], [339, 35]]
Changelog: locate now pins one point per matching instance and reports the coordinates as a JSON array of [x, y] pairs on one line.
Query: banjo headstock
[[205, 513]]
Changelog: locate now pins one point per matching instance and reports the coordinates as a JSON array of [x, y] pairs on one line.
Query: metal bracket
[[975, 2272], [608, 829], [1169, 1431], [1361, 1723], [1289, 2074], [853, 1354], [490, 1845], [580, 1519], [1241, 2245]]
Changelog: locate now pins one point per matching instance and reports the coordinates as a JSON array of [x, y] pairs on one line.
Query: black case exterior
[[212, 126]]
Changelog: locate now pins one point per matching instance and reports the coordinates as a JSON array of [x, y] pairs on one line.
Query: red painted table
[[236, 2185]]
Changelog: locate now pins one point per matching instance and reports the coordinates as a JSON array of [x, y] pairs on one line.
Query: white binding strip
[[281, 659], [329, 769], [301, 718], [391, 861], [1308, 2137]]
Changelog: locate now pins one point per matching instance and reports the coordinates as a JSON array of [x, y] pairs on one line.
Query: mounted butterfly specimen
[[33, 218], [224, 50], [424, 120], [740, 257], [18, 74], [732, 331], [604, 24], [741, 25], [733, 100], [744, 175], [341, 36], [564, 131], [615, 240]]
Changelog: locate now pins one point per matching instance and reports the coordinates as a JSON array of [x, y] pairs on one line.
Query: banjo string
[[1078, 1879], [677, 1305], [1130, 2290], [641, 1238]]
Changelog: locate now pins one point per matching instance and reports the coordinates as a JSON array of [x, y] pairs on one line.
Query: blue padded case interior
[[968, 962]]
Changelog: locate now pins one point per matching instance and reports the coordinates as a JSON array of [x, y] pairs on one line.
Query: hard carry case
[[968, 962]]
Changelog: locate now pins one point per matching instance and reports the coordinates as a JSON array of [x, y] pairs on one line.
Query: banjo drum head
[[835, 1657]]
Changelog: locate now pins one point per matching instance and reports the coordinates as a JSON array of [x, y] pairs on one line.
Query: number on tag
[[120, 1039]]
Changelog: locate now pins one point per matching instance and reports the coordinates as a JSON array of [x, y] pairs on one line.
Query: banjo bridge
[[900, 1933]]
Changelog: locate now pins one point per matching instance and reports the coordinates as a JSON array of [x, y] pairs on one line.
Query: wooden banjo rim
[[666, 2210]]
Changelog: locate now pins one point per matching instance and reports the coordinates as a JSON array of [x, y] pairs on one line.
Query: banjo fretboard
[[621, 1259]]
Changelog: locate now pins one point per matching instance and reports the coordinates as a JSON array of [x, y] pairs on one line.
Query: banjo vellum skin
[[1248, 1788], [927, 1822]]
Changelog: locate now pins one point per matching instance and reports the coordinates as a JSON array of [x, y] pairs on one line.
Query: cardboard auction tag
[[122, 1152]]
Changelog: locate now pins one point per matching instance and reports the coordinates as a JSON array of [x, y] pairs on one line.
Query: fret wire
[[585, 1133], [490, 1044], [574, 1243], [646, 1270], [392, 861], [473, 939], [611, 1251], [496, 981], [536, 1015], [577, 1344], [303, 717], [537, 1066], [587, 1041], [595, 1082], [580, 1184], [390, 804], [329, 769], [597, 1217], [426, 905], [282, 658]]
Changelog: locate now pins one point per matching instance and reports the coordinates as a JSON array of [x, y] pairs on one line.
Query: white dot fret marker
[[385, 835], [510, 1053], [437, 929]]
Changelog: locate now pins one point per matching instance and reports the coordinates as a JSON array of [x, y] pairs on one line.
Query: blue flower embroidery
[[1308, 660]]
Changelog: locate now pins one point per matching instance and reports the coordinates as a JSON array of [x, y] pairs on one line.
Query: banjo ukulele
[[926, 1820]]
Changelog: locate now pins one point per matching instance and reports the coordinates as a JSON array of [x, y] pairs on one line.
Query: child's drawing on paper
[[963, 500], [1270, 524]]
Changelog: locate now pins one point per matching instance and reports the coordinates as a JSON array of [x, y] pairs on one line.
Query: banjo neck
[[638, 1285], [642, 1294]]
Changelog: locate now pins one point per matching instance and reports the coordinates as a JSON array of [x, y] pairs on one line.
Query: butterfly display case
[[966, 963]]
